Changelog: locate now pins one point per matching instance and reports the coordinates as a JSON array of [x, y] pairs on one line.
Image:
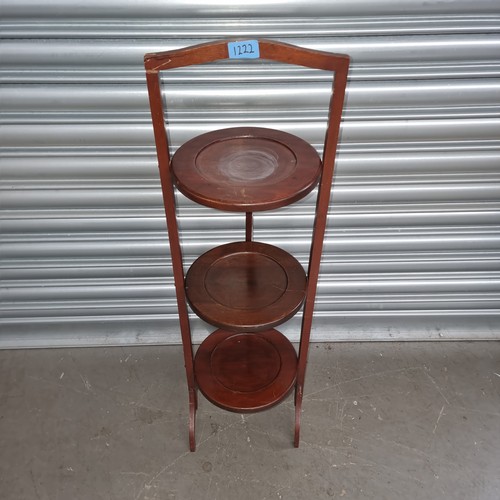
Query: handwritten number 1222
[[242, 49]]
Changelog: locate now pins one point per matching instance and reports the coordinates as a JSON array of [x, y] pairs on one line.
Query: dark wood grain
[[245, 372], [246, 286], [242, 172], [246, 169], [269, 49]]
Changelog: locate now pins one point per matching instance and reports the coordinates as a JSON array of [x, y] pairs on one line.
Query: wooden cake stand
[[246, 288]]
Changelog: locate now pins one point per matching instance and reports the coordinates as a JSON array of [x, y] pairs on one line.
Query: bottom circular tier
[[245, 372]]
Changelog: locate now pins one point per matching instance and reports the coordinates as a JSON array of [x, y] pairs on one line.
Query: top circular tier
[[246, 169]]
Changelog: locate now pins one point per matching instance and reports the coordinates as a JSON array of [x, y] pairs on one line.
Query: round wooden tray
[[245, 372], [246, 169], [246, 286]]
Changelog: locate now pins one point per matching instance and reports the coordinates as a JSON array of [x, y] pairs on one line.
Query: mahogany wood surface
[[246, 169], [246, 286], [272, 50], [246, 372], [219, 359]]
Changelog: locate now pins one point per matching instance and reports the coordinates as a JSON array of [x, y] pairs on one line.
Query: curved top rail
[[269, 49]]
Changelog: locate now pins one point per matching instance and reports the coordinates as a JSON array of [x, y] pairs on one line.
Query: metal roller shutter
[[413, 243]]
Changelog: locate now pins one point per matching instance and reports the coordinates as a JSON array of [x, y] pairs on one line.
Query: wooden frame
[[275, 51]]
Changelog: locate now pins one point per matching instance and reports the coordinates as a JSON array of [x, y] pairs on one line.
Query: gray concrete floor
[[381, 421]]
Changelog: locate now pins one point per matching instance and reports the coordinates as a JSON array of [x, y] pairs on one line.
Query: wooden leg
[[193, 405], [298, 413]]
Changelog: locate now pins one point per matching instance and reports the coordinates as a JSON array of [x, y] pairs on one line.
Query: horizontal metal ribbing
[[413, 240], [131, 10]]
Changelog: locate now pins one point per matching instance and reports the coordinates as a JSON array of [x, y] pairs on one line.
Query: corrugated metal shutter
[[413, 245]]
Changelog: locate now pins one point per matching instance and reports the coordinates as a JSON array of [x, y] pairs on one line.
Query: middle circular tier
[[246, 286]]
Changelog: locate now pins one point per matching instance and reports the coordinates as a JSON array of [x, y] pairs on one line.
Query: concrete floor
[[381, 421]]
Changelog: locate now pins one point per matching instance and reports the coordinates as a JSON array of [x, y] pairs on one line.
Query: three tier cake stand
[[246, 288]]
